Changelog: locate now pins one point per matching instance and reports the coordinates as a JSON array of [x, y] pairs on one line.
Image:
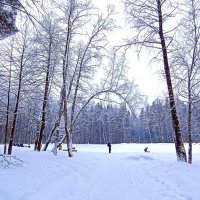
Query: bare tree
[[113, 84], [148, 18], [48, 39], [22, 58], [75, 13], [87, 53], [186, 60], [8, 101], [6, 52]]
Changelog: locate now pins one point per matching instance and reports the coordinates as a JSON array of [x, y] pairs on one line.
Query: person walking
[[109, 147]]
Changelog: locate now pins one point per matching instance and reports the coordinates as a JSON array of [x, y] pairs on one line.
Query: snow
[[94, 174]]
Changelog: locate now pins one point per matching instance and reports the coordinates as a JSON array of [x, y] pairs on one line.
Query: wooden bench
[[73, 149]]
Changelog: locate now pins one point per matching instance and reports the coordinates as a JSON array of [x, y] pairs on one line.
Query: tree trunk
[[67, 133], [57, 123], [45, 99], [74, 103], [189, 125], [180, 149], [60, 112], [12, 132], [7, 112], [65, 69]]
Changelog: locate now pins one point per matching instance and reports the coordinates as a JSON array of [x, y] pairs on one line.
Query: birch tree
[[186, 60]]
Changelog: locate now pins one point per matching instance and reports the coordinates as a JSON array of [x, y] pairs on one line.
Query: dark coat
[[109, 144]]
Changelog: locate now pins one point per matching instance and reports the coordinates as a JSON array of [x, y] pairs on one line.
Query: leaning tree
[[149, 18]]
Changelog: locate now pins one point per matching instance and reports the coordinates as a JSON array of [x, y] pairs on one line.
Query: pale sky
[[145, 75]]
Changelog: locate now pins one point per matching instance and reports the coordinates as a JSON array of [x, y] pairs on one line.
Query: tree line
[[99, 124]]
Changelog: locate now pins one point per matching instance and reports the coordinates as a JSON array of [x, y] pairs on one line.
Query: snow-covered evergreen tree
[[8, 12]]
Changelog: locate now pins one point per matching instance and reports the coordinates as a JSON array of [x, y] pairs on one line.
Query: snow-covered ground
[[93, 174]]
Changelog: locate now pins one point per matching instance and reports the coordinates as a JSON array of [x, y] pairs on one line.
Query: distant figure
[[146, 149], [109, 146]]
